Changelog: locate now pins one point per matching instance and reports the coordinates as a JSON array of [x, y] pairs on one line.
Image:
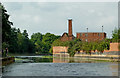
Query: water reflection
[[56, 60], [74, 60], [60, 67], [37, 60]]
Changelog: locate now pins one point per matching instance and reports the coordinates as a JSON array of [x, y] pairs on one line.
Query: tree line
[[15, 41], [76, 45]]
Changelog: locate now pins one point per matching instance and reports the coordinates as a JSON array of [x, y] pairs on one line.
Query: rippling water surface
[[60, 67]]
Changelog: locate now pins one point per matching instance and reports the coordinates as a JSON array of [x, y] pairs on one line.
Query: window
[[86, 34], [98, 34]]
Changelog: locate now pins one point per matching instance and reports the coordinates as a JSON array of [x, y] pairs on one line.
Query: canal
[[48, 66]]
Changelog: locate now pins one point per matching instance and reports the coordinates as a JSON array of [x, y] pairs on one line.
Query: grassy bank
[[21, 54]]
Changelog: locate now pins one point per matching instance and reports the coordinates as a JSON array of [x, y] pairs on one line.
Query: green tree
[[36, 37], [78, 46], [87, 47], [116, 35], [6, 27], [13, 48], [94, 46], [39, 47], [49, 38], [24, 43], [101, 47], [58, 42], [74, 46]]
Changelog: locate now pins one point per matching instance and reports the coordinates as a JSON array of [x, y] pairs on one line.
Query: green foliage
[[116, 35], [36, 37], [87, 47], [43, 42], [78, 46], [6, 27], [22, 43], [4, 45], [74, 46], [49, 38], [13, 41], [51, 50], [94, 46], [58, 42], [101, 47]]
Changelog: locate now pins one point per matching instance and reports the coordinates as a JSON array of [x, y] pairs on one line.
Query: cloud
[[52, 17]]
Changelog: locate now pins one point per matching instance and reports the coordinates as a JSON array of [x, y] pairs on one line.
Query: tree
[[71, 51], [39, 47], [36, 37], [24, 43], [43, 43], [87, 47], [116, 35], [49, 38], [25, 34], [94, 46], [13, 41], [101, 47], [74, 46], [58, 42], [6, 28], [78, 46]]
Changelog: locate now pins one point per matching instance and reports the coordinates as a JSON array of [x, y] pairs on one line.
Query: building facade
[[91, 36], [83, 36], [68, 36]]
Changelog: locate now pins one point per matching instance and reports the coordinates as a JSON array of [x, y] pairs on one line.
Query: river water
[[60, 67]]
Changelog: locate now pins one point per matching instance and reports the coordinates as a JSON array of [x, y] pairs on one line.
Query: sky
[[53, 16]]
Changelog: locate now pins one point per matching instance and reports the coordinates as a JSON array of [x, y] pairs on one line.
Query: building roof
[[64, 34], [90, 32]]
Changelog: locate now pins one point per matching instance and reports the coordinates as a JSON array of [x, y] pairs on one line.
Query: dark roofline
[[64, 33], [90, 32]]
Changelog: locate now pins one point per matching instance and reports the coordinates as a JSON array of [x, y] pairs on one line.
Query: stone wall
[[114, 47], [62, 49], [59, 49]]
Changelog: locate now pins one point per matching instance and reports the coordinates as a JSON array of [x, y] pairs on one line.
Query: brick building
[[83, 36], [91, 36], [68, 36]]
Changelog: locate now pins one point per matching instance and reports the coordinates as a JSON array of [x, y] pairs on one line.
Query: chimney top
[[69, 18]]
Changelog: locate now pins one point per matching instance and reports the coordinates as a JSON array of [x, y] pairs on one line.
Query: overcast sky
[[53, 17]]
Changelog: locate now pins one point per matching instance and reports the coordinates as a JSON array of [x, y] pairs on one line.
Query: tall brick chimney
[[70, 27]]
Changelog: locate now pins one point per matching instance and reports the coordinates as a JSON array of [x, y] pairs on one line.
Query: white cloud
[[91, 11], [52, 17]]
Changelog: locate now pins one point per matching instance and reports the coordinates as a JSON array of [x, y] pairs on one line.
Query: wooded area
[[15, 41]]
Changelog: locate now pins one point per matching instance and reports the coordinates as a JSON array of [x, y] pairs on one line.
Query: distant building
[[68, 36], [83, 36], [91, 36]]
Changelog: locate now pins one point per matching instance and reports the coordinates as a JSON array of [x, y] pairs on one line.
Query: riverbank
[[7, 60]]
